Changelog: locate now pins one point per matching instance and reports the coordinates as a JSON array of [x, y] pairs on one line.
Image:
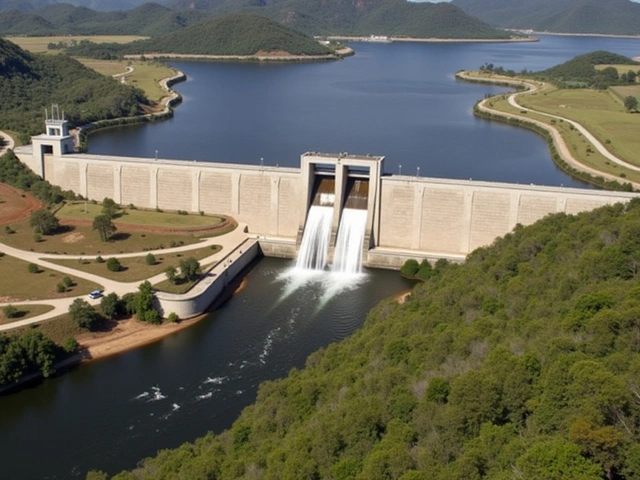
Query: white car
[[95, 294]]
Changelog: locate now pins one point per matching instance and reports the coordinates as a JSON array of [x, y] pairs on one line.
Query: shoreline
[[338, 55], [392, 39]]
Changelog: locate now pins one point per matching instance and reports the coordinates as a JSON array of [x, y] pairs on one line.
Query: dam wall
[[408, 217]]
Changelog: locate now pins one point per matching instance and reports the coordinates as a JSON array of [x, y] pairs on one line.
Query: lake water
[[398, 100]]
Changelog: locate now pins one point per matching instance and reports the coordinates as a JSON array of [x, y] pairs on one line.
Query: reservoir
[[397, 100]]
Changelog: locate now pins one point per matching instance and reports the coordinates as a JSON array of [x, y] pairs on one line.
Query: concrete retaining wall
[[207, 290]]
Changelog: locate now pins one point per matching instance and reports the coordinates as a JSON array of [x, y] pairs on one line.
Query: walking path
[[558, 140], [228, 242], [9, 143]]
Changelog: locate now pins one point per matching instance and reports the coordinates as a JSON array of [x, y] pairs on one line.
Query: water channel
[[398, 100]]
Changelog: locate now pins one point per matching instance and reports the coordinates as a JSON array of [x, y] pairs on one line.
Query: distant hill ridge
[[612, 17], [315, 17]]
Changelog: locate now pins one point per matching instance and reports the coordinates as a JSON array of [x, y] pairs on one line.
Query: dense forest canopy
[[521, 363], [614, 17], [30, 83], [316, 17], [235, 34]]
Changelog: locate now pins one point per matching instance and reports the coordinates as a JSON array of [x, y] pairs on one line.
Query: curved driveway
[[61, 305], [9, 142], [558, 141]]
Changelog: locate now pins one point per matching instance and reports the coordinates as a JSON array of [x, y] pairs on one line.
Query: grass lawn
[[136, 268], [83, 240], [600, 112], [146, 75], [19, 284], [39, 44], [179, 287], [626, 90], [148, 218], [575, 141], [25, 311], [620, 68]]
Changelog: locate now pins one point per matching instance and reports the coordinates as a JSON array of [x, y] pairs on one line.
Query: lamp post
[[399, 169], [261, 162], [418, 172], [156, 155]]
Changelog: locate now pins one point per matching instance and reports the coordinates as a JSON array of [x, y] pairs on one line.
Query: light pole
[[261, 162], [156, 155], [399, 169], [418, 172]]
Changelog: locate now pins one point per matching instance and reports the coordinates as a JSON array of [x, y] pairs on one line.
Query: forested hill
[[522, 363], [614, 17], [315, 17], [30, 83], [235, 34]]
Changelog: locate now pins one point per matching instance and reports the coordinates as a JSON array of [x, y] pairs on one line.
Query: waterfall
[[348, 254], [315, 239]]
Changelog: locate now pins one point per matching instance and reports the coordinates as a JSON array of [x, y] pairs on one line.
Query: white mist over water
[[348, 254], [315, 239]]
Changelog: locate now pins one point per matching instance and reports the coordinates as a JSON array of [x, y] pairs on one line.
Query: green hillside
[[30, 83], [235, 34], [315, 17], [522, 363], [615, 17]]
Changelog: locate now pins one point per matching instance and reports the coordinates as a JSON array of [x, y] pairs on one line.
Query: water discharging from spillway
[[315, 239], [348, 254]]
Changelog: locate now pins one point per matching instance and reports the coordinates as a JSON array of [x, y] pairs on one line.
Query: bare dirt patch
[[73, 238], [15, 205]]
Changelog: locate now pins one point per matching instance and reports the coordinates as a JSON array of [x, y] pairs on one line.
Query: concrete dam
[[406, 216]]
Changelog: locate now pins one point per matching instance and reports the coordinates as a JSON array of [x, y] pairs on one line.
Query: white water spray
[[315, 239], [348, 254]]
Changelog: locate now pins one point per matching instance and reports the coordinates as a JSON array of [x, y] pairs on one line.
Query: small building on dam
[[403, 216]]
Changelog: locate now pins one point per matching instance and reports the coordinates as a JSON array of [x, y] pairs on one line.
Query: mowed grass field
[[19, 284], [600, 111], [24, 312], [146, 75], [136, 268], [148, 218], [39, 44]]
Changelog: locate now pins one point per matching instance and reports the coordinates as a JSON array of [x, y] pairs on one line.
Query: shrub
[[10, 311], [113, 264], [70, 345], [37, 237], [99, 259], [150, 259], [67, 282], [8, 230], [410, 268], [33, 268], [173, 317], [61, 288]]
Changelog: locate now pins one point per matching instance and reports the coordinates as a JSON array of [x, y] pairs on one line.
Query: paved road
[[558, 140], [228, 242]]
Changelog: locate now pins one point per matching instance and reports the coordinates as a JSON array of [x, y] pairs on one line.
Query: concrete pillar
[[465, 237], [195, 190], [153, 186], [274, 221], [307, 174], [418, 195], [561, 204], [84, 182], [235, 193], [117, 183], [514, 208], [342, 174], [375, 202]]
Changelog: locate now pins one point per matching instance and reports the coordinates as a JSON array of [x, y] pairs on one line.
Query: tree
[[113, 265], [33, 268], [84, 315], [631, 103], [109, 208], [172, 273], [190, 269], [67, 282], [556, 459], [150, 259], [144, 302], [410, 268], [111, 305], [104, 226], [44, 222]]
